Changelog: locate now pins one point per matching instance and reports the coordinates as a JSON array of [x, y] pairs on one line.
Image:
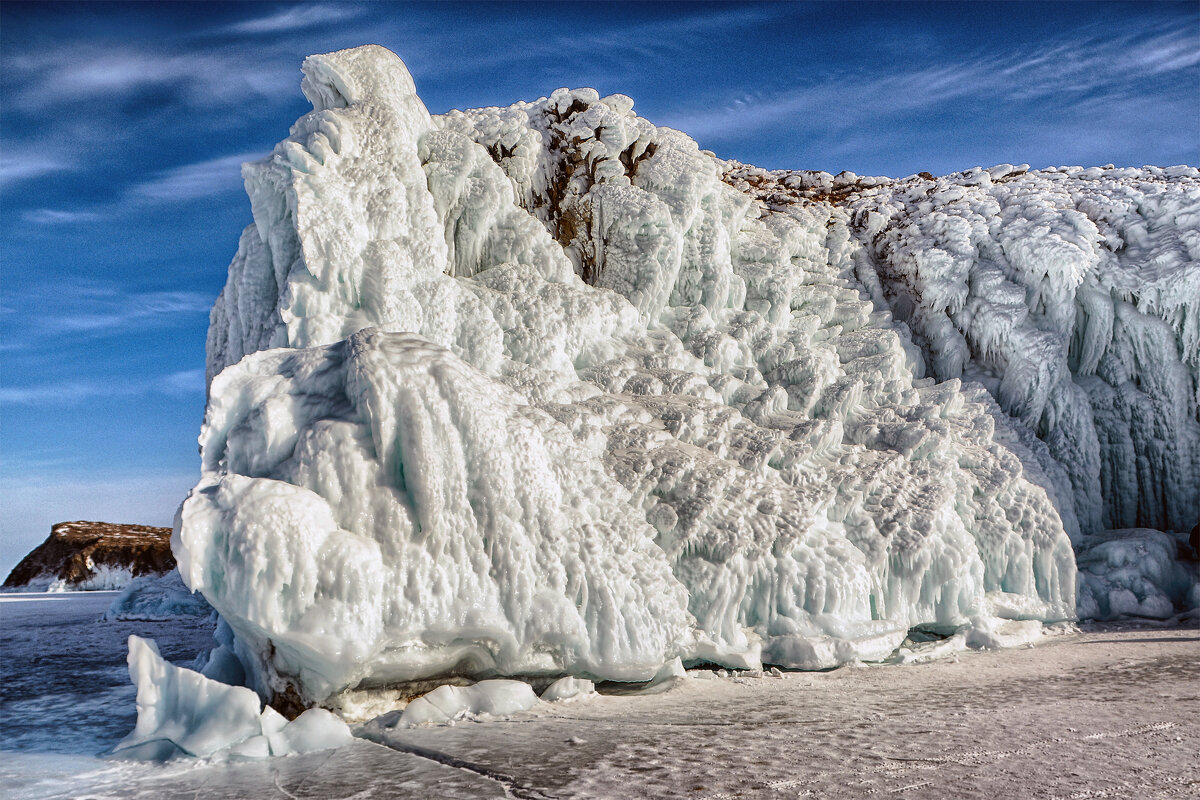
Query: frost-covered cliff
[[1074, 296], [549, 390]]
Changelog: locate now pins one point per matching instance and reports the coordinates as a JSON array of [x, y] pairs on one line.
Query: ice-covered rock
[[548, 390], [1135, 573]]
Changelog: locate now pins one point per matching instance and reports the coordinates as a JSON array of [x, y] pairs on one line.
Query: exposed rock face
[[94, 555]]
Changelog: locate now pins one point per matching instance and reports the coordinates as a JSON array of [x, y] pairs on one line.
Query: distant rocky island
[[81, 556]]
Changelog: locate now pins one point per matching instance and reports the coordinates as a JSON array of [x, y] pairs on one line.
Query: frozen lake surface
[[1111, 712], [65, 686]]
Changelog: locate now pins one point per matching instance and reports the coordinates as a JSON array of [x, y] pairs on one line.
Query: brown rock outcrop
[[75, 551]]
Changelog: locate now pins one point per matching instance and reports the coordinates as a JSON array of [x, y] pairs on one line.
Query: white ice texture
[[1073, 295], [446, 703], [183, 713], [568, 688], [547, 390]]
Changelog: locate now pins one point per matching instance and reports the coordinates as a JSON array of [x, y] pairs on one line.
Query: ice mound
[[183, 713], [451, 703], [1135, 573], [157, 597], [547, 390], [568, 688]]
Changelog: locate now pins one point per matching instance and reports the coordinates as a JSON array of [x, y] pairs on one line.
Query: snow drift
[[157, 597], [548, 390]]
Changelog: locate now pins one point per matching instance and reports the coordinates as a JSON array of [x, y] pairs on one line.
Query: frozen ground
[[1111, 712]]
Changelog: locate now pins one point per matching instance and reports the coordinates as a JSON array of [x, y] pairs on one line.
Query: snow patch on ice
[[988, 633], [103, 578]]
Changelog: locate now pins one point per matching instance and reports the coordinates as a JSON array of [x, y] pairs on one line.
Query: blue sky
[[123, 127]]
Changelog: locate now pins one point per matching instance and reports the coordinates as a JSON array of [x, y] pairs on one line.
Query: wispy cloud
[[205, 78], [54, 216], [95, 309], [298, 18], [679, 35], [136, 311], [77, 392], [1072, 70], [193, 181], [202, 179], [184, 382], [18, 165]]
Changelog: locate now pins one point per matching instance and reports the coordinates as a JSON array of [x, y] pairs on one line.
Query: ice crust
[[548, 390]]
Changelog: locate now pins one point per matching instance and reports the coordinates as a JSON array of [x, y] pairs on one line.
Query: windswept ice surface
[[548, 390], [1112, 711], [65, 685]]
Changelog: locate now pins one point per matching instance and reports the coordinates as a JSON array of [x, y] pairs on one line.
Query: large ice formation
[[548, 390]]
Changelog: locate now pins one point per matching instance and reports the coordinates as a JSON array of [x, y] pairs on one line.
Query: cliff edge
[[93, 555]]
